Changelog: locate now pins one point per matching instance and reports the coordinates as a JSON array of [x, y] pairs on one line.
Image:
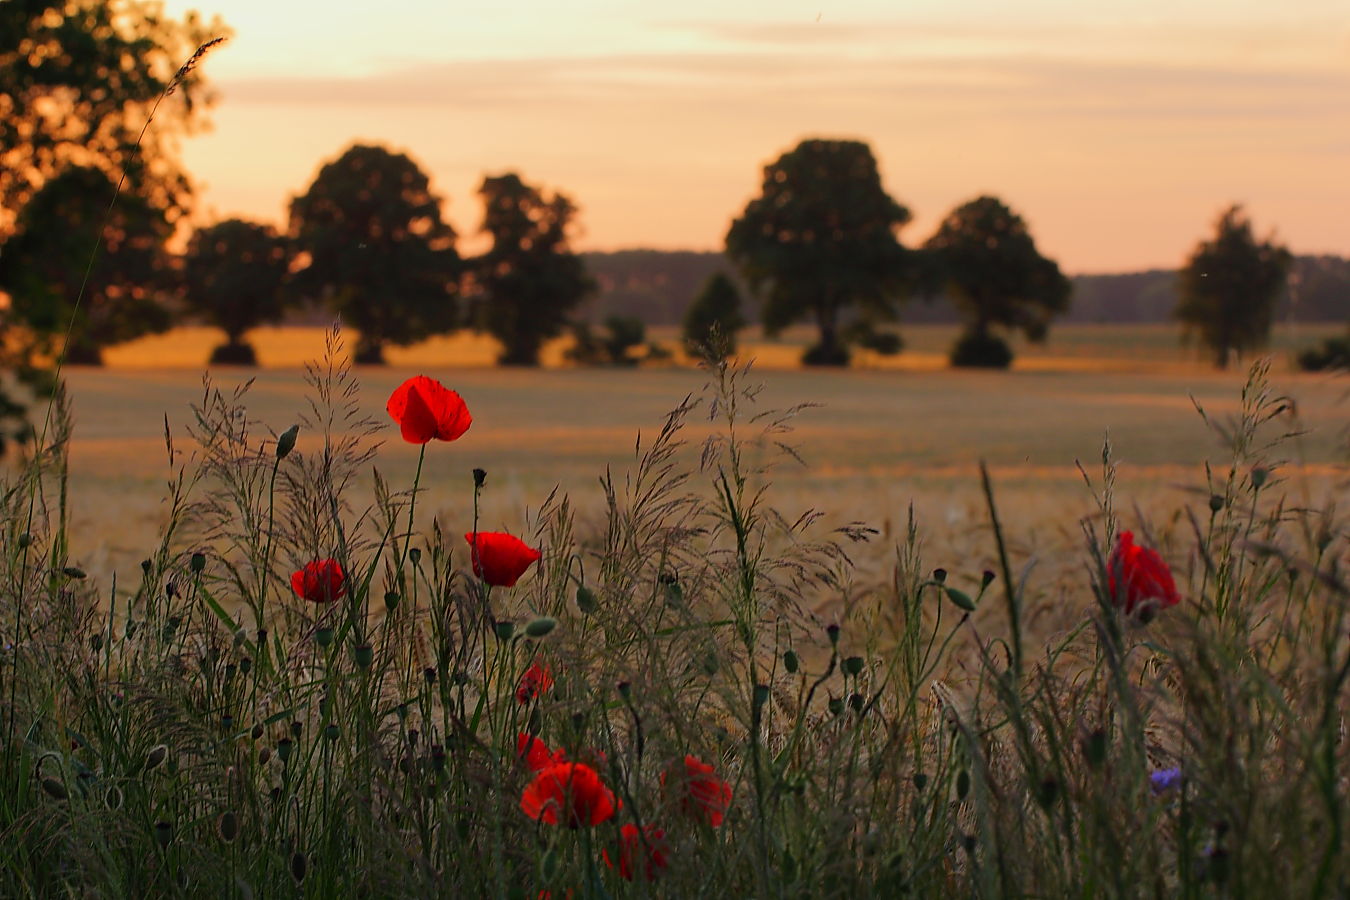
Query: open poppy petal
[[427, 410]]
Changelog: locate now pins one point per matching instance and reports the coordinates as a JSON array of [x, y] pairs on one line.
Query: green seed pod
[[299, 865], [415, 554], [156, 757], [920, 781], [1259, 476], [323, 636], [257, 731], [197, 563], [832, 632], [791, 662], [364, 654], [26, 540], [760, 696], [540, 627], [284, 748], [853, 665], [586, 600], [74, 572], [962, 784], [836, 705], [1216, 503], [505, 630], [986, 579], [245, 665], [331, 731], [625, 690], [857, 702], [940, 576], [479, 477], [264, 756], [391, 599], [286, 441]]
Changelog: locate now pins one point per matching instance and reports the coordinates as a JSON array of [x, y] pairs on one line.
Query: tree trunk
[[369, 352], [83, 353], [829, 351]]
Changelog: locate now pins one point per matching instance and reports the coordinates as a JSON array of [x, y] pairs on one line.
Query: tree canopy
[[233, 273], [377, 249], [985, 259], [821, 241], [712, 320], [529, 281], [78, 81], [1229, 288], [43, 266]]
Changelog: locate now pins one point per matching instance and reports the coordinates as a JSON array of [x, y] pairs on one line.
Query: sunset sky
[[1118, 129]]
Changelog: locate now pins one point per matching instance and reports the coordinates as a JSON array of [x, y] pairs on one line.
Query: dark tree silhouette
[[820, 240], [712, 320], [529, 280], [1229, 288], [43, 265], [377, 248], [985, 259], [78, 79], [614, 348], [232, 276]]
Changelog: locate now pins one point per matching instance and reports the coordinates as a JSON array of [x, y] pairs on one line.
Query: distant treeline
[[656, 286]]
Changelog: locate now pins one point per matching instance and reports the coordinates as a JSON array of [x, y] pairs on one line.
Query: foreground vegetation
[[313, 693]]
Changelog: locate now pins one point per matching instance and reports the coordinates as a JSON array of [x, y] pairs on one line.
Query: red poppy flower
[[568, 793], [538, 679], [536, 753], [701, 793], [500, 559], [426, 409], [320, 581], [648, 850], [1137, 577]]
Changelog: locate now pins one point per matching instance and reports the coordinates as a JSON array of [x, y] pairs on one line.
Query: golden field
[[882, 436]]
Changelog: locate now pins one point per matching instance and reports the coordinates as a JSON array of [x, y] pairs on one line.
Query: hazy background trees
[[712, 320], [233, 274], [51, 257], [375, 248], [820, 242], [527, 283], [986, 261], [1229, 288]]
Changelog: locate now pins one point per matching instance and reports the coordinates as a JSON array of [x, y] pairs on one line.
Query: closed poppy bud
[[284, 747], [74, 572], [26, 540], [227, 826], [479, 477], [320, 581], [391, 599], [500, 559], [364, 655], [163, 833], [264, 756], [54, 788], [986, 579], [1259, 476], [586, 601], [257, 731], [427, 410], [331, 731], [323, 636], [791, 662], [286, 441], [504, 630], [156, 756], [940, 575], [197, 563], [299, 865], [832, 632], [853, 665], [540, 627], [1137, 577], [836, 705], [1216, 502]]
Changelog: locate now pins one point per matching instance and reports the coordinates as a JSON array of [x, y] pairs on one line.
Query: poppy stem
[[412, 507]]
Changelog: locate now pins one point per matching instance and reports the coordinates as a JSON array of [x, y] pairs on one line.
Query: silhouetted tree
[[987, 262], [378, 249], [1229, 288], [712, 320], [820, 240], [612, 349], [78, 79], [43, 266], [529, 280], [232, 276]]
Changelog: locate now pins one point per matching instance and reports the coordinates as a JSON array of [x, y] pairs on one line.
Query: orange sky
[[1117, 129]]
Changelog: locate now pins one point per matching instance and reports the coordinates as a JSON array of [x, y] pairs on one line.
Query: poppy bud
[[505, 630], [479, 477], [920, 781], [54, 788], [960, 598], [74, 572], [429, 673], [940, 575], [145, 563], [156, 756], [986, 579], [586, 600], [264, 756], [540, 627], [415, 554], [391, 599], [284, 747], [331, 731], [625, 690], [836, 705], [962, 784], [298, 866], [760, 695], [286, 441], [227, 826], [230, 670], [245, 665], [257, 731], [364, 655], [1216, 502], [857, 701], [26, 540], [227, 722], [853, 665], [1259, 476], [197, 563], [791, 662], [323, 636], [163, 833], [832, 632], [438, 757], [710, 663]]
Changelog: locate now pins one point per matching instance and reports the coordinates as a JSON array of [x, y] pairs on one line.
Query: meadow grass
[[882, 729]]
